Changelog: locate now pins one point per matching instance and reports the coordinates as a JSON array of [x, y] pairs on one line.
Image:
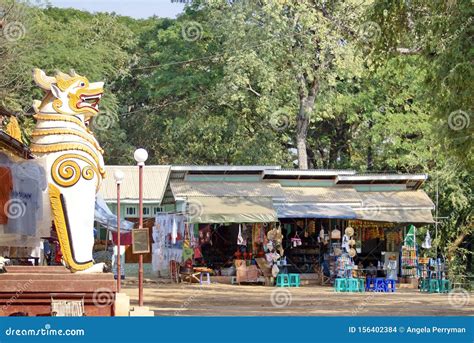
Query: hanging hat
[[352, 252], [349, 231], [352, 242]]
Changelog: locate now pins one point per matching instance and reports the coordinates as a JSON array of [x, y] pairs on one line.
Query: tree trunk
[[457, 242], [307, 97], [370, 157]]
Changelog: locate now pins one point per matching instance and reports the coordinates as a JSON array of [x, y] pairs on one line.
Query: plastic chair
[[434, 286], [391, 285], [352, 285], [361, 284], [370, 284], [340, 285], [207, 281], [445, 286], [295, 280], [283, 280], [380, 285], [424, 285]]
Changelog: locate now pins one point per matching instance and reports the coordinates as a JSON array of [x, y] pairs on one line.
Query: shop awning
[[104, 216], [422, 216], [314, 211], [230, 210], [396, 207]]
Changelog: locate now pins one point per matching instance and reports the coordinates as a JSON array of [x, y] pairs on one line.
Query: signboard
[[140, 241]]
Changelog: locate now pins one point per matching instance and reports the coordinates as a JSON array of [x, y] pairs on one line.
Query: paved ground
[[310, 300]]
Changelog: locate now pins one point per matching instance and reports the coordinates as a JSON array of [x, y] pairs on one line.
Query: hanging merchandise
[[311, 227], [352, 252], [336, 234], [205, 235], [345, 243], [296, 241], [240, 239], [427, 243], [349, 231]]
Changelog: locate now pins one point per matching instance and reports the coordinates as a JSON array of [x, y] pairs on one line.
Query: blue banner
[[237, 329]]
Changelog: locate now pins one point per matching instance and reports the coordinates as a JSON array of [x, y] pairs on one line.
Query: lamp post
[[118, 176], [140, 156]]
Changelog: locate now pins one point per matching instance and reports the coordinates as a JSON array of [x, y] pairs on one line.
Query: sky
[[131, 8]]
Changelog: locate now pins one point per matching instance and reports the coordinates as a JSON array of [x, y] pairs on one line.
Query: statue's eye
[[82, 84]]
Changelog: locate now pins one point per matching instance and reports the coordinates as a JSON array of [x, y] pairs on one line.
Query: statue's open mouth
[[90, 101]]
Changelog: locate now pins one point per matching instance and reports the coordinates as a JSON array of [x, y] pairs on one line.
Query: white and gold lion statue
[[73, 161]]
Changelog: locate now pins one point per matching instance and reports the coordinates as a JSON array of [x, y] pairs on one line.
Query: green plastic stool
[[424, 285], [445, 286], [283, 280], [352, 285], [340, 285], [361, 284], [295, 280], [434, 286]]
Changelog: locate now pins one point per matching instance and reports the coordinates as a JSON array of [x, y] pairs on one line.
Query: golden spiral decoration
[[66, 171], [88, 173]]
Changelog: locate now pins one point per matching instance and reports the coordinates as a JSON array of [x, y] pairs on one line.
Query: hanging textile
[[427, 243]]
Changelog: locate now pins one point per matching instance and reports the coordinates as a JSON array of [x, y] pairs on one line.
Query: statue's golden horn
[[61, 75], [42, 80]]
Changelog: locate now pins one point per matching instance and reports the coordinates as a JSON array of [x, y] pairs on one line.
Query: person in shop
[[372, 270]]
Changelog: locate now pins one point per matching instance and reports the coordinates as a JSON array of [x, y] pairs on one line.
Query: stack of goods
[[344, 265], [409, 261], [394, 239]]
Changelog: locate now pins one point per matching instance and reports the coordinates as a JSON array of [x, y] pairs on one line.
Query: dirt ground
[[309, 300]]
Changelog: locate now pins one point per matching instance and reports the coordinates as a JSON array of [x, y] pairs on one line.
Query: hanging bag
[[296, 240]]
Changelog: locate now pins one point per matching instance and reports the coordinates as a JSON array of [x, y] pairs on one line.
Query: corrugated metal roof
[[322, 194], [222, 168], [397, 216], [226, 189], [155, 179], [359, 177], [405, 199]]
